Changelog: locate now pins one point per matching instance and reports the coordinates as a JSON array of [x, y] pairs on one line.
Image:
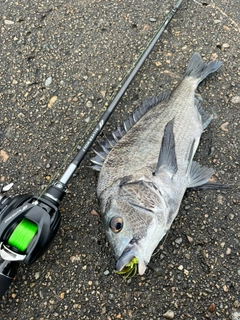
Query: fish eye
[[116, 224]]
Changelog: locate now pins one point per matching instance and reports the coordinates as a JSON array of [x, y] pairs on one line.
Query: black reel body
[[28, 224], [38, 211]]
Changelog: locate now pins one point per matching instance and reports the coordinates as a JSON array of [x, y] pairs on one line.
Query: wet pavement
[[60, 63]]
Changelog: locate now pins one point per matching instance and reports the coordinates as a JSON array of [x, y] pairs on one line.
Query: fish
[[146, 165]]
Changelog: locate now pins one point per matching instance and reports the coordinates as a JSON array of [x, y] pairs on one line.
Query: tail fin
[[197, 68]]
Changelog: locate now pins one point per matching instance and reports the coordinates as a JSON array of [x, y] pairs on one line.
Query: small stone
[[236, 304], [8, 22], [217, 21], [106, 272], [95, 213], [214, 56], [225, 288], [190, 239], [37, 275], [225, 46], [223, 126], [75, 258], [169, 314], [152, 19], [104, 310], [212, 307], [186, 272], [3, 155], [228, 251], [235, 99], [89, 104], [236, 315], [48, 81], [178, 240], [103, 93], [180, 267], [220, 199], [52, 101]]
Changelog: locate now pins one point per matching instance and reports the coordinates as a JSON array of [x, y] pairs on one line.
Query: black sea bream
[[147, 164]]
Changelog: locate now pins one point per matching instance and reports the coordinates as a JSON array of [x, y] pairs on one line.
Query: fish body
[[147, 164]]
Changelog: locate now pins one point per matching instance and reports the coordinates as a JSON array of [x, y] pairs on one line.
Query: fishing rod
[[29, 223]]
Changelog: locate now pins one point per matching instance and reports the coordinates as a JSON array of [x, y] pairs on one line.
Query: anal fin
[[167, 157], [199, 175]]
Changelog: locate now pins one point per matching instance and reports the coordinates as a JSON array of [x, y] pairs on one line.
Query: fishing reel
[[28, 225]]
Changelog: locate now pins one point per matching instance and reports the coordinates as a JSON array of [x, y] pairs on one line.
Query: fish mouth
[[129, 264]]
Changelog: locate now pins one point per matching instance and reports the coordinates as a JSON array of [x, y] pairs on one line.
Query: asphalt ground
[[60, 63]]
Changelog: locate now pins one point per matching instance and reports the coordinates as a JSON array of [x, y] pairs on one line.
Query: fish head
[[133, 233]]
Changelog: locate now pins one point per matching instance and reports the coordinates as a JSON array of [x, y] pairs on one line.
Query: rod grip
[[8, 270]]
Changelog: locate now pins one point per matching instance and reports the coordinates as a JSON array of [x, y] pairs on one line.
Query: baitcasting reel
[[28, 225]]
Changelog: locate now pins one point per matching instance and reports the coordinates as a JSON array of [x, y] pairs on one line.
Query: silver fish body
[[147, 165]]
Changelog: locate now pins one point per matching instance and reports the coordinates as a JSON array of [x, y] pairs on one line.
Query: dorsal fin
[[105, 145]]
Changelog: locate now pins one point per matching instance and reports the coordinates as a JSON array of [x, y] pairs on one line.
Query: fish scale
[[146, 171]]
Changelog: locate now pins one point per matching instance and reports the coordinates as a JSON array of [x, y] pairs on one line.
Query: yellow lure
[[130, 269]]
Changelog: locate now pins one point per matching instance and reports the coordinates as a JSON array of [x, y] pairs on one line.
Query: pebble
[[223, 126], [106, 272], [169, 314], [37, 275], [52, 101], [236, 304], [48, 81], [89, 104], [212, 307], [178, 240], [152, 20], [8, 22], [190, 239], [236, 315], [235, 99], [3, 156], [103, 93], [225, 46]]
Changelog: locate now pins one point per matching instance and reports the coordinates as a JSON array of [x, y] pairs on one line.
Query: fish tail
[[198, 69]]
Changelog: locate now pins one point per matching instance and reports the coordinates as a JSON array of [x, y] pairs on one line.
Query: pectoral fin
[[167, 157]]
